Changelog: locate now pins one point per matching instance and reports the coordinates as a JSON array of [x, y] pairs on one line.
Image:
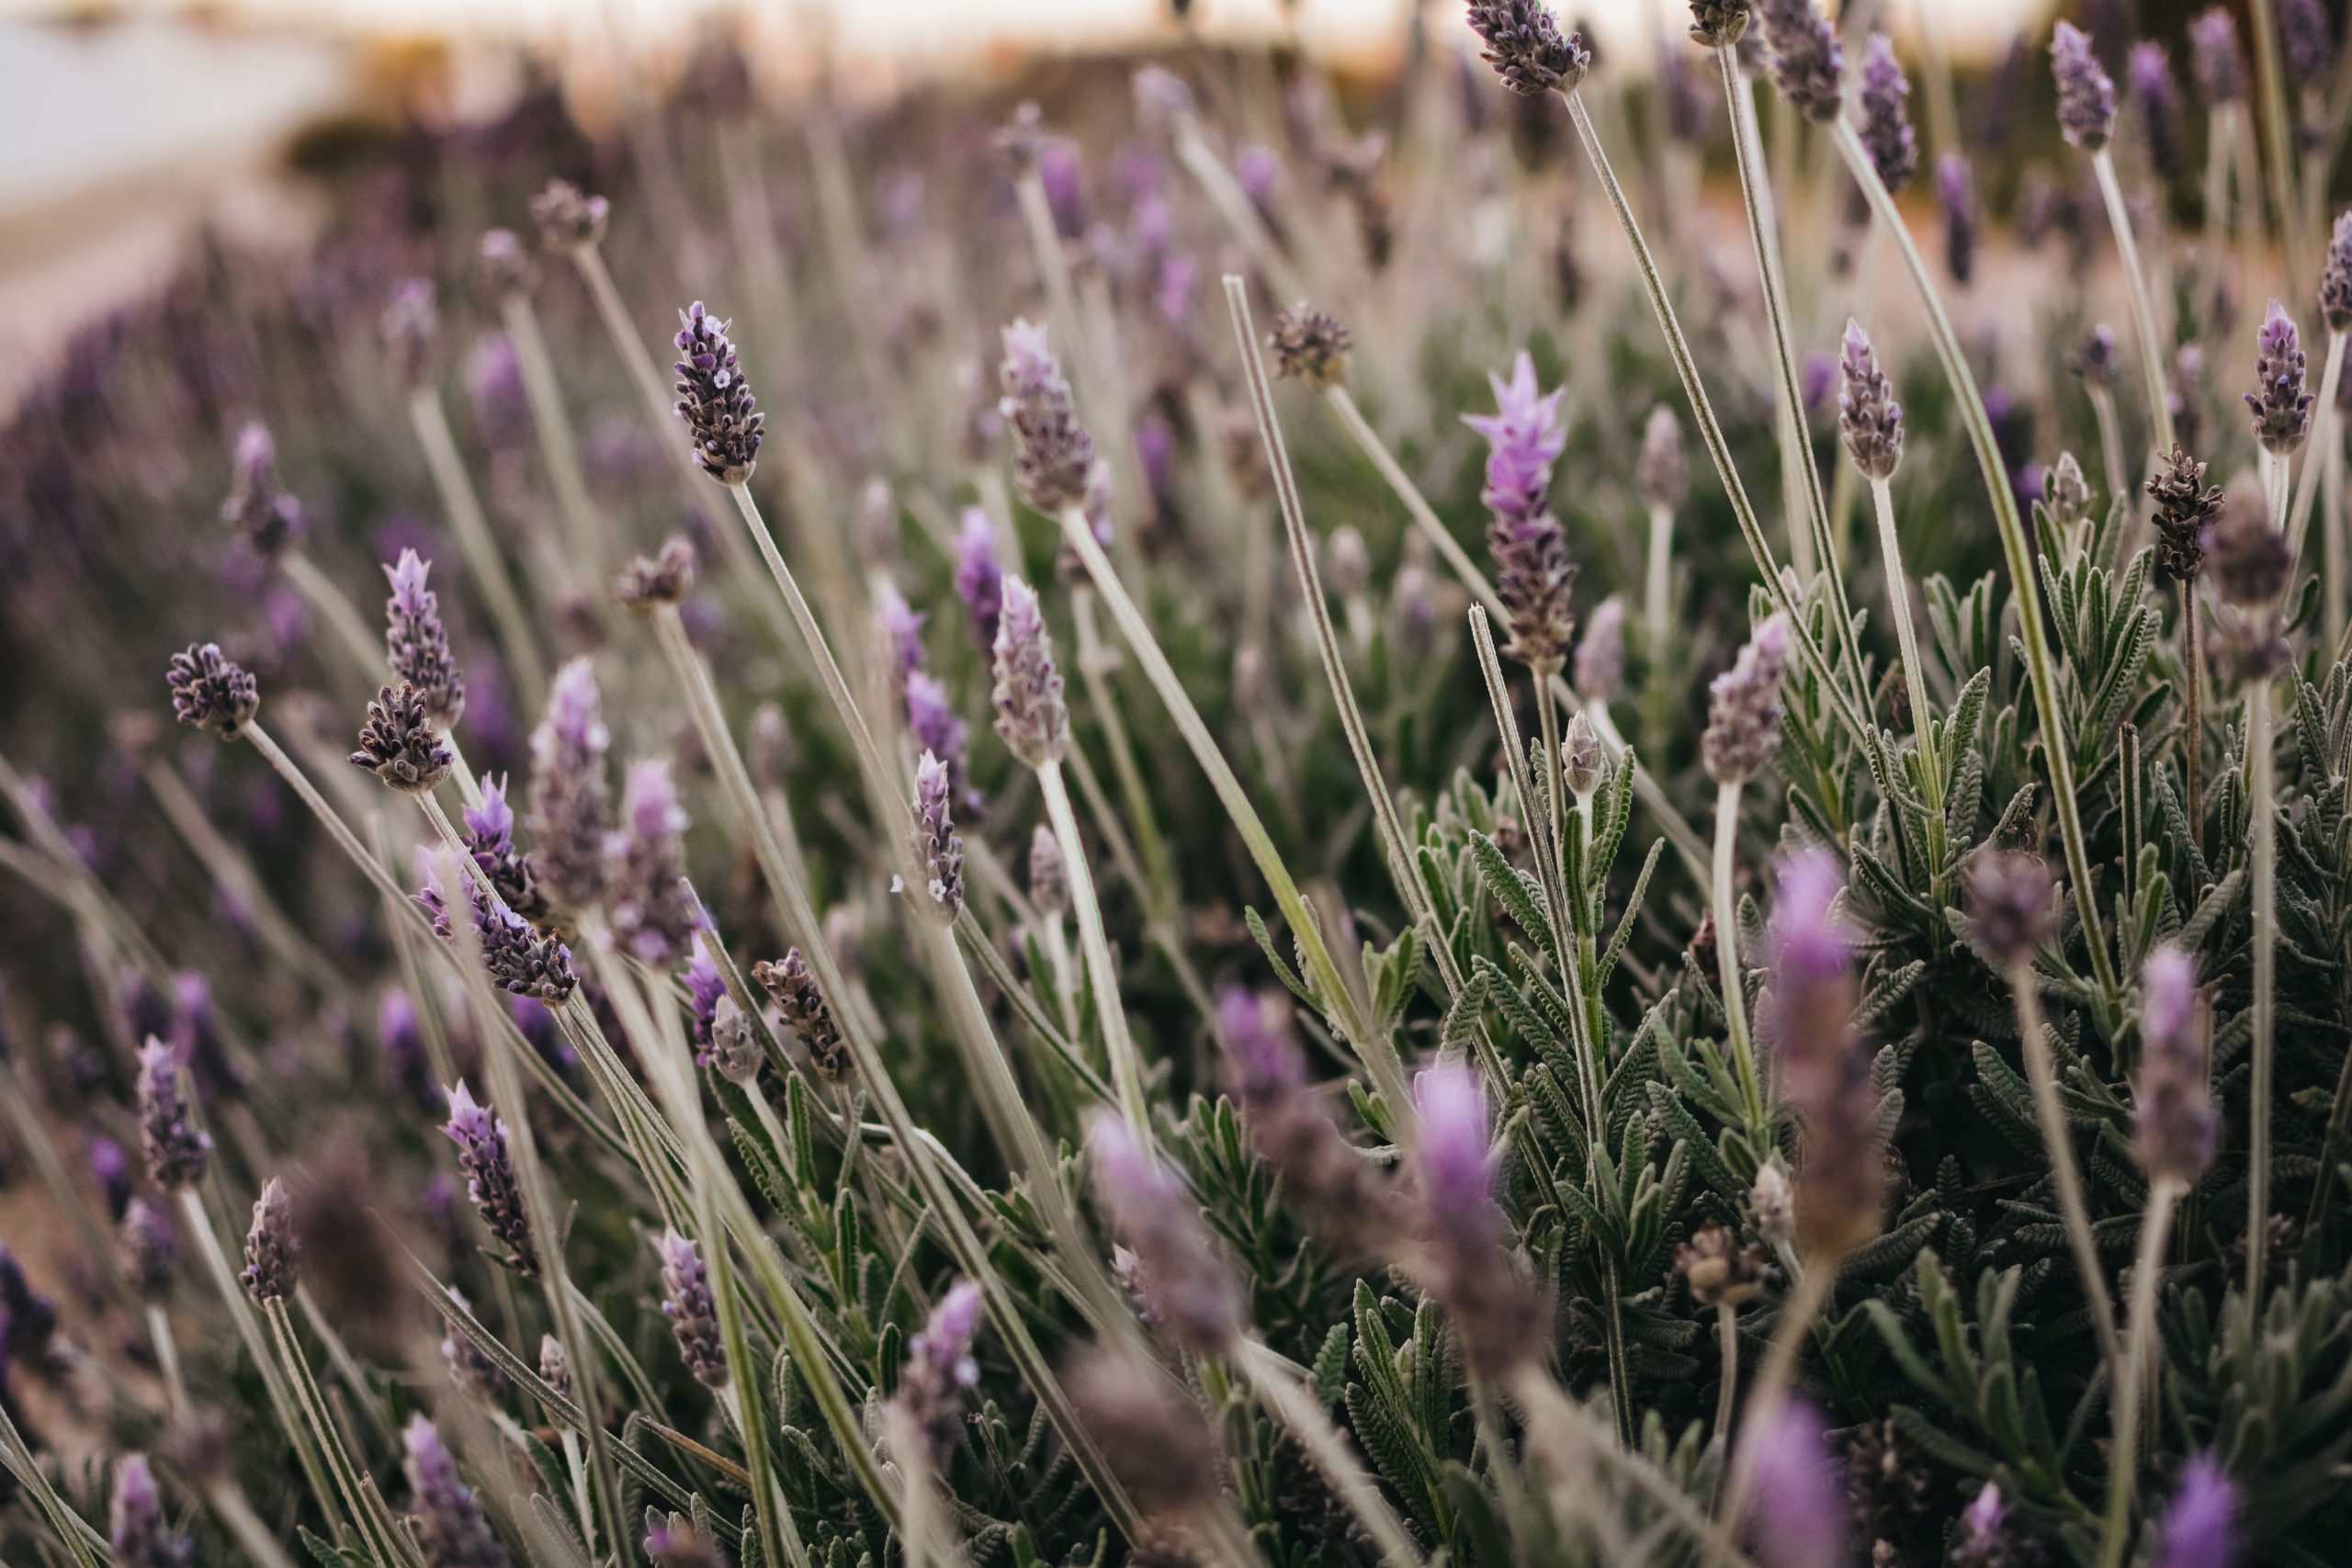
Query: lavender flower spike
[[792, 989], [1310, 346], [2174, 1132], [714, 400], [2199, 1529], [211, 691], [1808, 62], [1187, 1293], [2281, 406], [150, 1250], [399, 744], [1798, 1517], [1533, 576], [936, 843], [409, 325], [2305, 42], [2215, 59], [979, 576], [174, 1148], [2086, 95], [1885, 128], [267, 516], [1600, 657], [568, 219], [1526, 48], [489, 838], [1956, 190], [2149, 71], [416, 645], [1718, 24], [136, 1528], [1744, 706], [1869, 417], [1662, 474], [272, 1249], [687, 1303], [1498, 1317], [940, 1369], [1031, 715], [651, 913], [570, 803], [2336, 277], [1053, 455], [448, 1519], [482, 1154]]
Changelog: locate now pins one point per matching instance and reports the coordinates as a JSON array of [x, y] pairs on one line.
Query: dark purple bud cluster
[[648, 582], [1311, 347], [940, 1369], [1868, 416], [2280, 402], [1526, 48], [2008, 896], [714, 400], [490, 1182], [448, 1518], [1744, 706], [1719, 23], [520, 959], [2086, 95], [211, 691], [272, 1249], [417, 645], [1885, 128], [792, 989], [1808, 62], [174, 1148], [1533, 576], [1053, 455], [2185, 510], [693, 1312], [399, 743]]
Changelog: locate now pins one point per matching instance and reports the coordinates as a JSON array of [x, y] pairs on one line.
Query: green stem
[[1126, 1076], [1915, 673], [2139, 1335], [2153, 346], [431, 422], [2042, 1070], [1727, 967]]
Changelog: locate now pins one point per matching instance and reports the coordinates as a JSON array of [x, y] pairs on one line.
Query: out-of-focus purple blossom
[[174, 1148], [1798, 1519], [1689, 102], [1824, 1064], [267, 516], [1885, 128], [651, 583], [2158, 96], [491, 1180], [1161, 98], [1052, 452], [2280, 404], [494, 380], [27, 1318], [450, 1528], [195, 1035], [1744, 706], [1533, 576], [651, 915], [1048, 874], [2307, 42], [150, 1250], [2201, 1523], [136, 1528], [1058, 171], [416, 645], [403, 1037], [713, 399], [272, 1249], [1186, 1289], [979, 576], [1956, 190], [570, 800], [704, 985], [2097, 358], [2175, 1132], [489, 838], [1332, 1185], [1817, 377], [900, 625], [804, 1011], [687, 1303], [2335, 278], [940, 1369], [675, 1544], [2086, 95], [1662, 475], [2215, 59], [469, 1364], [1808, 61], [1600, 657], [110, 1168], [2008, 897], [410, 323], [1153, 1440], [1498, 1317], [2248, 554], [568, 219]]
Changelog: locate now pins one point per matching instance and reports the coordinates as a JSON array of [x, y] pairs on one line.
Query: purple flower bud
[[1956, 190], [1885, 128], [1824, 1065], [2066, 493], [404, 1052], [150, 1249], [940, 1369], [1798, 1519], [1187, 1290], [109, 1166], [272, 1249], [448, 1520], [979, 576], [489, 838], [651, 914], [1052, 452], [521, 960], [555, 1367], [490, 1182], [266, 514], [1498, 1317], [1868, 416], [494, 388], [2250, 558], [936, 844], [570, 805], [410, 324], [2174, 1130], [2307, 46], [649, 582], [1161, 98], [212, 692], [1808, 62], [675, 1544], [2086, 95], [1031, 715], [2009, 899], [1526, 48], [714, 400], [1600, 657], [2185, 510], [2158, 96], [2199, 1529], [1321, 1174], [900, 625], [705, 987], [568, 218], [2282, 408], [2215, 59], [687, 1303], [2336, 277], [1534, 577], [1662, 475], [141, 1536], [196, 1037], [1744, 706], [175, 1150], [399, 744], [792, 989], [417, 646], [1983, 1541]]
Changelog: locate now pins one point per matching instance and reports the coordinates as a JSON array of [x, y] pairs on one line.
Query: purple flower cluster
[[490, 1182], [416, 645], [1533, 576], [713, 399], [693, 1312], [940, 1369], [651, 914], [570, 800]]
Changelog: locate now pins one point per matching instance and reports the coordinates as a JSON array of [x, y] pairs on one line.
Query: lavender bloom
[[2336, 277], [1154, 1442], [136, 1528], [501, 266], [195, 1036], [900, 625], [412, 1071], [1600, 657], [212, 692], [2009, 898], [571, 809], [1798, 1517], [410, 323], [2185, 510], [493, 382], [2214, 58], [490, 1182], [1808, 62], [2097, 358], [272, 1249], [2176, 1131], [1526, 48], [2250, 556], [174, 1148], [149, 1249], [1744, 706], [449, 1523], [940, 1369], [1498, 1317], [2158, 96], [267, 516], [792, 989], [705, 987], [1983, 1533], [555, 1367], [936, 843], [568, 219], [1661, 474], [1956, 190], [677, 1545], [1187, 1292], [2199, 1529], [1885, 128], [1311, 347], [2282, 408], [1161, 98], [399, 744], [2066, 493], [1824, 1065], [1321, 1173], [2307, 46], [519, 959], [651, 915], [648, 582], [687, 1303], [2086, 95], [1031, 715], [469, 1364], [417, 646], [1052, 454], [109, 1168], [1868, 416], [489, 838], [979, 576], [1048, 874], [1533, 576], [714, 400]]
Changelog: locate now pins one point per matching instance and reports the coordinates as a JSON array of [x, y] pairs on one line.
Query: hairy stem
[[475, 542], [2049, 1111], [1915, 673], [2154, 344], [2139, 1340], [1724, 903]]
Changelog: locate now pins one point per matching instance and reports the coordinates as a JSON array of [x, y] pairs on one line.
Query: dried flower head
[[1719, 1270], [399, 743], [2009, 895], [212, 692], [1885, 128], [174, 1148], [1744, 706], [792, 989], [271, 518], [2185, 510], [687, 1303], [1311, 347], [1526, 48], [1808, 62], [568, 218], [1719, 23], [714, 400], [490, 1182], [2086, 95], [272, 1249], [649, 582], [1031, 715], [2175, 1132], [1053, 455], [416, 645], [2280, 403], [1868, 416]]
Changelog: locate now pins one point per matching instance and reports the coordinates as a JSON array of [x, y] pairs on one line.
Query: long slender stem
[[1727, 1352], [2262, 830], [1915, 672], [1726, 905], [2154, 345], [484, 562], [2111, 441], [2323, 437], [1770, 1392], [2018, 553], [1126, 1075], [2041, 1071], [543, 396], [2192, 715], [2139, 1340], [1658, 581]]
